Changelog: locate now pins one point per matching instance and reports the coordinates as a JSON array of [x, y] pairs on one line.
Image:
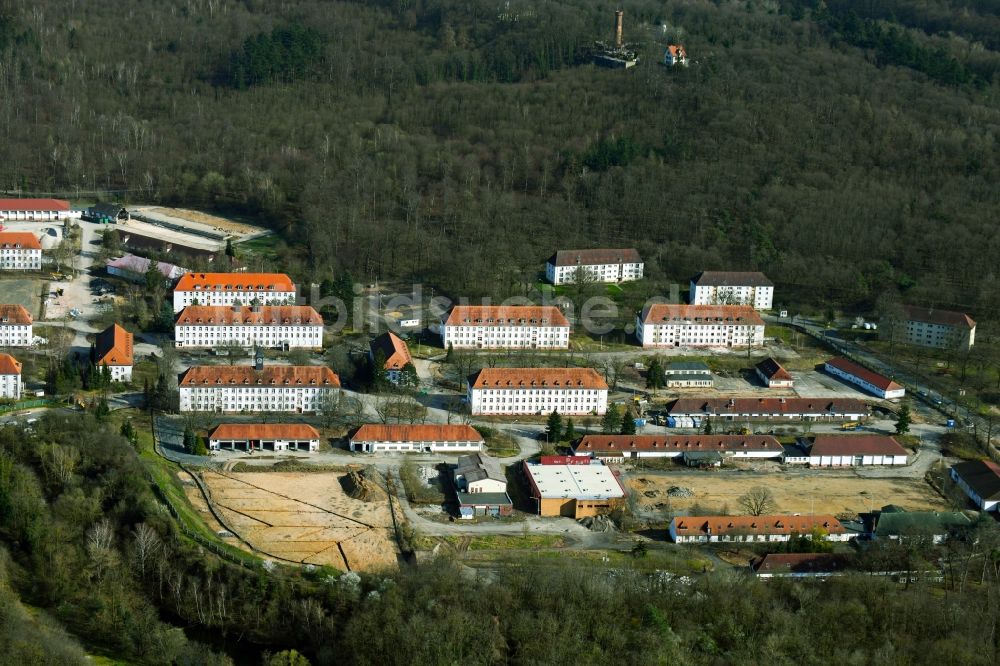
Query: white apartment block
[[228, 289], [36, 210], [20, 251], [15, 326], [10, 377], [732, 288], [667, 325], [568, 391], [944, 329], [267, 326], [113, 348], [294, 389], [603, 265], [505, 327]]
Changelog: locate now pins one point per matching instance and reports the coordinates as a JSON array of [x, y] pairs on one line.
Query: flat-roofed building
[[264, 437], [856, 451], [732, 288], [267, 326], [15, 326], [10, 377], [771, 528], [243, 388], [113, 348], [426, 438], [934, 327], [772, 375], [670, 325], [20, 251], [601, 265], [505, 327], [869, 381], [573, 486], [688, 374], [569, 391], [233, 289]]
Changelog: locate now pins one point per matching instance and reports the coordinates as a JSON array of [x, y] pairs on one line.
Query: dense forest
[[846, 148]]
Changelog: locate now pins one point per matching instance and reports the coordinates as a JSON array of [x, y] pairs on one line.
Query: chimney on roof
[[619, 16]]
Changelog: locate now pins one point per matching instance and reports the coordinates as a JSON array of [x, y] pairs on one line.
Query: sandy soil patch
[[834, 493], [305, 517], [214, 221]]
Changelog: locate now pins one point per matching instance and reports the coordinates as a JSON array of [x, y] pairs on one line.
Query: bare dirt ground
[[24, 291], [305, 517], [197, 500], [834, 493], [213, 221]]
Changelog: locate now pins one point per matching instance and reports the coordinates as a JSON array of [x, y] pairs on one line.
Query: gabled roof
[[109, 209], [9, 365], [279, 376], [619, 444], [863, 373], [140, 265], [14, 313], [938, 316], [24, 240], [235, 282], [856, 445], [595, 257], [553, 378], [242, 431], [264, 315], [670, 313], [687, 365], [677, 50], [983, 476], [506, 315], [113, 347], [31, 205], [800, 563], [724, 406], [479, 466], [375, 432], [756, 525], [732, 279], [396, 353], [773, 370], [919, 523]]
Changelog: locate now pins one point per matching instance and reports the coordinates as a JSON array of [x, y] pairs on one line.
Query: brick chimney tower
[[619, 14]]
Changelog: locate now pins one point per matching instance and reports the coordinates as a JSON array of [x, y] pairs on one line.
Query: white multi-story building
[[10, 377], [113, 348], [395, 353], [36, 210], [423, 438], [15, 326], [233, 289], [505, 327], [944, 329], [20, 251], [667, 325], [603, 265], [267, 326], [538, 391], [732, 288], [244, 388]]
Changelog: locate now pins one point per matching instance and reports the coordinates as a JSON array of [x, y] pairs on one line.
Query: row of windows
[[540, 392]]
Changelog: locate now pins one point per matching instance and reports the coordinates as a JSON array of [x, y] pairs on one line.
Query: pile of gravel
[[679, 491]]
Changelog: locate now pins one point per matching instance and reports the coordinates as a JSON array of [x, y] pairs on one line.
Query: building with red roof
[[723, 529], [20, 251], [866, 379], [613, 448], [243, 388], [36, 210], [430, 438], [773, 375], [113, 348], [505, 327], [856, 450], [15, 326], [671, 325], [267, 326], [264, 437], [393, 349], [10, 377], [934, 327], [568, 391], [233, 289]]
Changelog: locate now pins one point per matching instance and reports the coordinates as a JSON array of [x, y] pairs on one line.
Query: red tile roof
[[243, 431], [595, 257], [756, 525], [937, 316], [113, 346], [782, 406], [396, 353], [677, 50], [773, 370], [14, 314], [732, 279], [513, 378], [617, 444], [863, 373], [235, 282], [856, 445], [9, 365], [207, 376], [375, 432], [668, 313], [19, 239], [265, 315], [31, 205], [509, 315]]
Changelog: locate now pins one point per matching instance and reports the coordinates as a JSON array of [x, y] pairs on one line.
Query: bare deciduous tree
[[145, 544], [758, 501]]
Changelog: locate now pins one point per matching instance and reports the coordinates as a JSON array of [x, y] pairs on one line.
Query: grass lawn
[[262, 246], [25, 291]]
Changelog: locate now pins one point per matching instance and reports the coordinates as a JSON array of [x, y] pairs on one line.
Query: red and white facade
[[505, 327], [513, 391], [860, 376], [670, 325], [10, 377], [36, 210], [724, 529], [268, 326], [618, 448], [264, 437], [423, 438], [20, 251], [277, 388], [15, 326], [228, 289]]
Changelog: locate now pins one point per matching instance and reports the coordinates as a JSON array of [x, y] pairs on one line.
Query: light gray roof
[[479, 466], [687, 365], [483, 499]]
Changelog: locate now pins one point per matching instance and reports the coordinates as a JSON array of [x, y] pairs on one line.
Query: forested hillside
[[844, 147]]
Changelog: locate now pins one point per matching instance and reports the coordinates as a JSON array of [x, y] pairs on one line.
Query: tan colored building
[[932, 327], [573, 486]]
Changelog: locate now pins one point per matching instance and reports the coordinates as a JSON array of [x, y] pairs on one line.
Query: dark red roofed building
[[867, 380], [772, 375], [856, 450]]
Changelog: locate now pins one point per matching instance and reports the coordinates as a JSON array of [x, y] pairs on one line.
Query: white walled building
[[616, 448], [267, 326], [856, 451], [264, 437], [15, 326], [980, 480], [944, 329], [426, 438], [20, 251], [603, 265], [872, 382], [723, 529], [505, 327], [568, 391], [732, 288], [773, 375], [479, 473], [10, 377], [233, 289], [668, 325], [244, 388], [36, 210], [393, 349], [113, 348]]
